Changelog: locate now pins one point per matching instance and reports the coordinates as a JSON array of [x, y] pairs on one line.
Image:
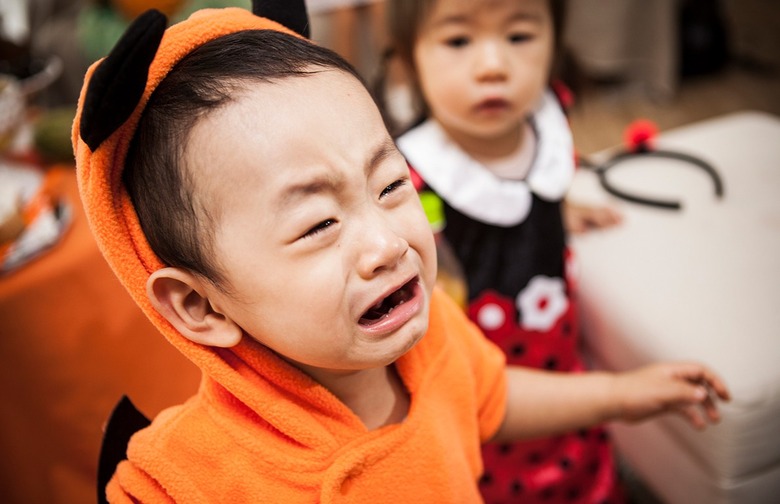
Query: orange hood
[[108, 207]]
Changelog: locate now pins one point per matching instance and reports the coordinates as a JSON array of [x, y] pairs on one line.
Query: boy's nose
[[380, 249], [491, 61]]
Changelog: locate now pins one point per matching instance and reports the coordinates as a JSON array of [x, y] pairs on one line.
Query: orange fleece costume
[[259, 429]]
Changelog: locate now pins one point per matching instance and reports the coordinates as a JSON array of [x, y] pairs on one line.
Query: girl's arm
[[544, 403], [579, 218]]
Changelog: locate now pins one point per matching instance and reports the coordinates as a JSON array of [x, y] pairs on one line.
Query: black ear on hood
[[289, 13], [118, 83]]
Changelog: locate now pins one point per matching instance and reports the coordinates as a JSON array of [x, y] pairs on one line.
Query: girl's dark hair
[[179, 226], [404, 18]]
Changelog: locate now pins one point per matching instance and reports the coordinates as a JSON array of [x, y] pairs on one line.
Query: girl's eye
[[518, 38], [457, 42], [322, 226], [392, 187]]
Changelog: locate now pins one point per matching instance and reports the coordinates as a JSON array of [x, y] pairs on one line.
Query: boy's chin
[[417, 330]]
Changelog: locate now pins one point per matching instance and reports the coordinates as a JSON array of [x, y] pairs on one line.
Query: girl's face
[[483, 65]]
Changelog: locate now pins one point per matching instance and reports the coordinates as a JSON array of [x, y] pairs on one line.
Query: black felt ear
[[118, 83], [289, 13]]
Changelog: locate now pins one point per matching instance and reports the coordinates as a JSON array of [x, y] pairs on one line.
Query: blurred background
[[672, 61], [68, 331]]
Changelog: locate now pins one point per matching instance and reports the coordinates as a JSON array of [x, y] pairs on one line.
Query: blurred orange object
[[132, 8], [73, 342]]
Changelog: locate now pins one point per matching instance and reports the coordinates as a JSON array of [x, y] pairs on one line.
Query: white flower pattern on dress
[[491, 317], [542, 303]]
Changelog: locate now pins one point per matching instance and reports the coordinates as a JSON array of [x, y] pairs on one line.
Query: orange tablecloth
[[71, 343]]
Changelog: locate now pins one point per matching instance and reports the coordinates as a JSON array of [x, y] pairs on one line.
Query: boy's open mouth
[[384, 307]]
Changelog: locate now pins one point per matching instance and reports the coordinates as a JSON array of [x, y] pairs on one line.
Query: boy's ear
[[179, 296]]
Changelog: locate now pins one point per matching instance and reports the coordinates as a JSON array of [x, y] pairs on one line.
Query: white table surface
[[702, 283]]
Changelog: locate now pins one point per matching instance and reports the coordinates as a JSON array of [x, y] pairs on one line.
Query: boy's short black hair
[[177, 223]]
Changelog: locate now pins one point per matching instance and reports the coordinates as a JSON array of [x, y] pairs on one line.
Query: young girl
[[496, 150]]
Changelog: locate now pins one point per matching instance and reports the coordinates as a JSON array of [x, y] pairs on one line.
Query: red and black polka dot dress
[[524, 299], [509, 239]]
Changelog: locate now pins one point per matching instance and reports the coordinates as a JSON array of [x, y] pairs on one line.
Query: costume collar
[[473, 190]]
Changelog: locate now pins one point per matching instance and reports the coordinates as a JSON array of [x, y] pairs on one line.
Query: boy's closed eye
[[328, 224], [393, 187], [319, 228]]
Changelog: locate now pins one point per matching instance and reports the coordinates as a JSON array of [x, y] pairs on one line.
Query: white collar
[[473, 190]]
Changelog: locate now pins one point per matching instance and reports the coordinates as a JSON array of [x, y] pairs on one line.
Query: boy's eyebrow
[[294, 192], [330, 183], [383, 151]]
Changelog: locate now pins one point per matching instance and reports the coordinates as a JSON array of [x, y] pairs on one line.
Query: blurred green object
[[52, 135], [434, 210], [100, 25]]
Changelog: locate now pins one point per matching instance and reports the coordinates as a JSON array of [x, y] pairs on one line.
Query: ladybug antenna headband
[[639, 138]]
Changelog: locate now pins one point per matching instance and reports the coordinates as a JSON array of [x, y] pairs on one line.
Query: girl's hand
[[686, 388], [581, 218]]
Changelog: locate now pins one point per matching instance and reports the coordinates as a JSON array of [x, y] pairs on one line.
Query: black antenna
[[118, 83], [289, 13]]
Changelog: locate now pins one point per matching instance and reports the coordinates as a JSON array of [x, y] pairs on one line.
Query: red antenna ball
[[639, 135]]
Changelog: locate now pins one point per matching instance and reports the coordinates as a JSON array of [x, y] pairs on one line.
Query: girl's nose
[[491, 61], [380, 249]]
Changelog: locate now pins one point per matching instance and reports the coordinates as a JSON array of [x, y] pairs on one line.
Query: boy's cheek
[[428, 255], [416, 229]]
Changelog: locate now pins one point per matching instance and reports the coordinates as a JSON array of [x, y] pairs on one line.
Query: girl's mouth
[[492, 105], [384, 307]]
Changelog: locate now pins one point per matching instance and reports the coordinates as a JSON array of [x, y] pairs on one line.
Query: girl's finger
[[693, 415], [717, 385], [711, 409], [697, 373]]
